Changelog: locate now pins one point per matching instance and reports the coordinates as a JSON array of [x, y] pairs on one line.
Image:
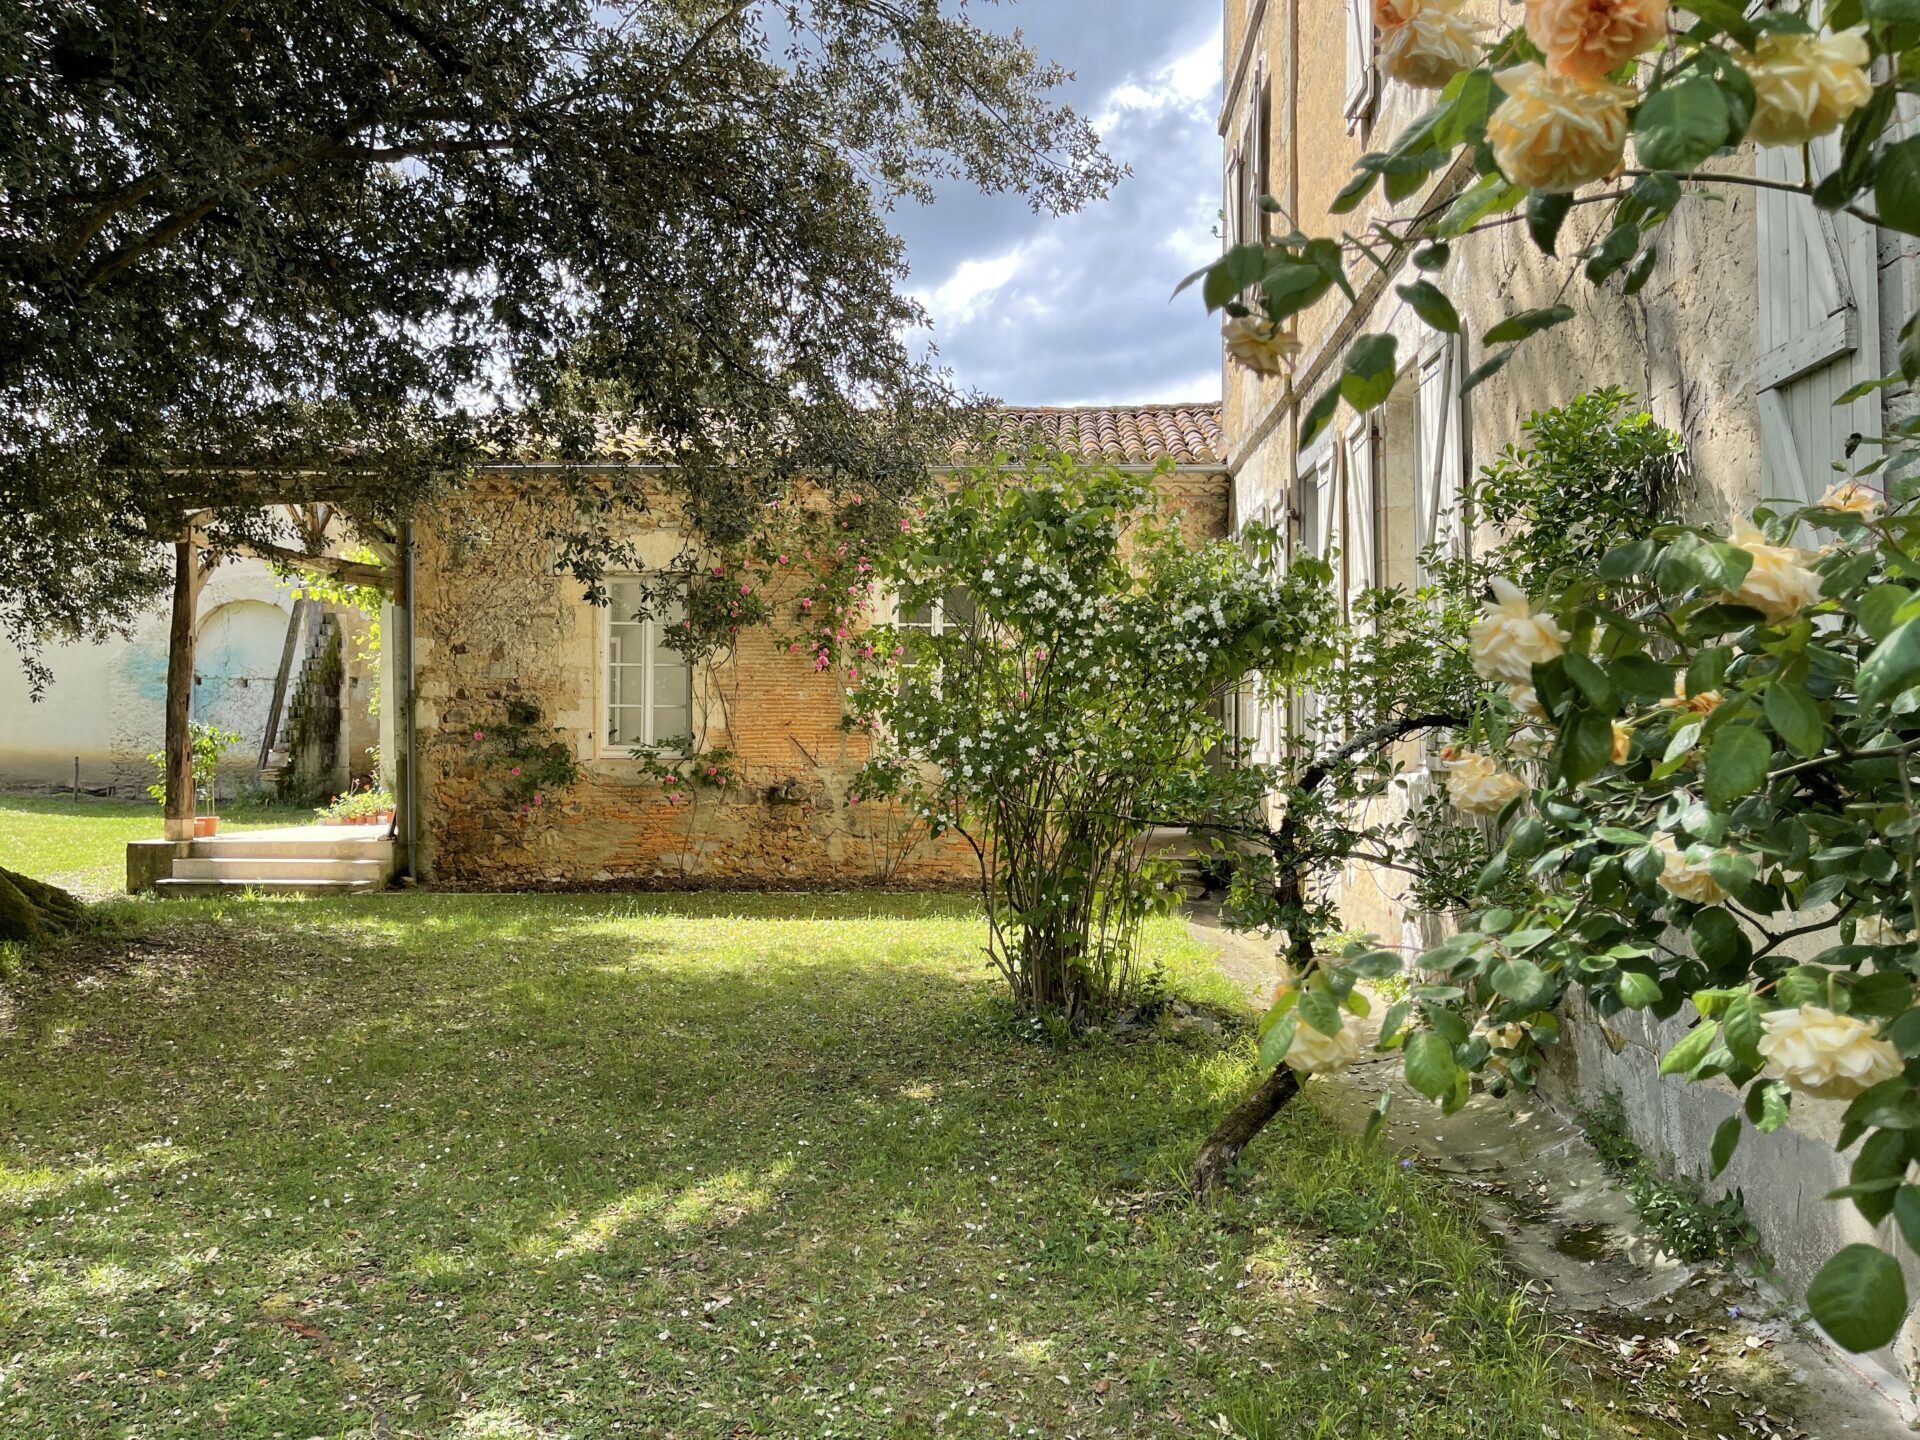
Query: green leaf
[[1896, 188], [1859, 1297], [1906, 1214], [1278, 1039], [1893, 665], [1592, 683], [1737, 762], [1354, 191], [1367, 378], [1641, 677], [1431, 305], [1623, 562], [1768, 1105], [1638, 991], [1376, 1120], [1237, 270], [1487, 369], [1545, 213], [1725, 1139], [1321, 1011], [1910, 348], [1795, 718], [1691, 1048], [1681, 124], [1528, 322], [1585, 746], [1430, 1065], [1741, 1028], [1524, 983], [1319, 415], [1718, 939]]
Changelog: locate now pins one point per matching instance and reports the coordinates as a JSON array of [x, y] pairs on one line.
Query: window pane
[[918, 617], [670, 683], [672, 724], [956, 606], [624, 724], [624, 599]]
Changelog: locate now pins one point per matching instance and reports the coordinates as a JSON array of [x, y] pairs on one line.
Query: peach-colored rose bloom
[[1478, 786], [1705, 703], [1259, 344], [1431, 45], [1827, 1056], [1511, 638], [1805, 85], [1853, 496], [1686, 879], [1526, 703], [1590, 39], [1777, 585], [1555, 133], [1622, 743], [1312, 1053], [1389, 13]]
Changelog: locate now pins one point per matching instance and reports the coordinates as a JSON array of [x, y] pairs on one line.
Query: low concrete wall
[[1784, 1177]]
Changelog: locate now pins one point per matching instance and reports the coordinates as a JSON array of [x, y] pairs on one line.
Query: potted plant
[[364, 804], [207, 743]]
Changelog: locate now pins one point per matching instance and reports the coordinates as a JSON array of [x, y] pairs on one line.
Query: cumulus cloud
[[1043, 310]]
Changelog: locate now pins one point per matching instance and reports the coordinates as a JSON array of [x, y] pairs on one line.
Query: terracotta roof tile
[[1188, 434]]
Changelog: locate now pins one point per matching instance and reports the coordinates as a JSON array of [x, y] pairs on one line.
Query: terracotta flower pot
[[205, 826]]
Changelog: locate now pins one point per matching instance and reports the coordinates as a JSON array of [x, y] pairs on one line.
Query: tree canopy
[[267, 249]]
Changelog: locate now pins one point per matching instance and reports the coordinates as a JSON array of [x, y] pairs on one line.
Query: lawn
[[578, 1166], [82, 844]]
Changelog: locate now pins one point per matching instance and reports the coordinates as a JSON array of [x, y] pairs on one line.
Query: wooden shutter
[[1362, 78], [1819, 328], [1362, 557], [1439, 460]]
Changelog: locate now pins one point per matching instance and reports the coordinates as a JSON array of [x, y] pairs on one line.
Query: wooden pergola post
[[179, 742]]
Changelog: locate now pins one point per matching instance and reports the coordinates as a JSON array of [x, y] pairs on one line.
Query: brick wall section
[[494, 627]]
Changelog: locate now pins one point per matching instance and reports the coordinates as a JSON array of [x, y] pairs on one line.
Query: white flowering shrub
[[1067, 699]]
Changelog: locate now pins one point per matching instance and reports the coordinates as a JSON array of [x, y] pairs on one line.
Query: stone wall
[[498, 631]]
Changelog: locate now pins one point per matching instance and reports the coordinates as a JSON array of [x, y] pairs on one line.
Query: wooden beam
[[179, 738], [354, 572]]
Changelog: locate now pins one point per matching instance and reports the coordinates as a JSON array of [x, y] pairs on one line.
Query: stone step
[[353, 842], [213, 889], [281, 867]]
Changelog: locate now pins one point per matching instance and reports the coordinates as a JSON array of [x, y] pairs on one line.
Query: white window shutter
[[1440, 459], [1362, 77], [1819, 329], [1362, 558]]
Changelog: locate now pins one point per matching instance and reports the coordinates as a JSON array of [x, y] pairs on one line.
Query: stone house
[[500, 636], [1758, 313]]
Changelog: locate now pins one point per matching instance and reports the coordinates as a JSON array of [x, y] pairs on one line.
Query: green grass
[[82, 844], [584, 1166]]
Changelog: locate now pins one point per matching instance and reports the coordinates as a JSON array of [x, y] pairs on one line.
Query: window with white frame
[[954, 608], [648, 684], [1363, 75]]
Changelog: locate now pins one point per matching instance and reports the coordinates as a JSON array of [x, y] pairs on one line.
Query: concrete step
[[352, 842], [214, 889], [373, 869]]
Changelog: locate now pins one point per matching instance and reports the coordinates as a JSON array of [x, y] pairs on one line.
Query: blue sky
[[1039, 310]]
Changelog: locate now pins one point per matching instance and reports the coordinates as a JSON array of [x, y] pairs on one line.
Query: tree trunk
[[1243, 1122], [29, 908], [179, 741]]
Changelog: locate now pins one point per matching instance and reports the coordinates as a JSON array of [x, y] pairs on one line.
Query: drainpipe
[[410, 784]]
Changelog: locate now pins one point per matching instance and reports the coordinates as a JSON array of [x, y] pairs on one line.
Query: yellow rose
[[1313, 1053], [1556, 133], [1431, 45], [1259, 344], [1877, 930], [1590, 39], [1622, 743], [1805, 85], [1478, 786], [1389, 13], [1686, 879], [1510, 638], [1510, 1036], [1777, 585], [1852, 496], [1526, 703], [1829, 1056]]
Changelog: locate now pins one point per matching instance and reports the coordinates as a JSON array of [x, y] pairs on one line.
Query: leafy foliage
[[331, 267]]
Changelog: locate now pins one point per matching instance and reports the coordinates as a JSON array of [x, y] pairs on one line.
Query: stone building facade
[[1758, 313], [501, 636]]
